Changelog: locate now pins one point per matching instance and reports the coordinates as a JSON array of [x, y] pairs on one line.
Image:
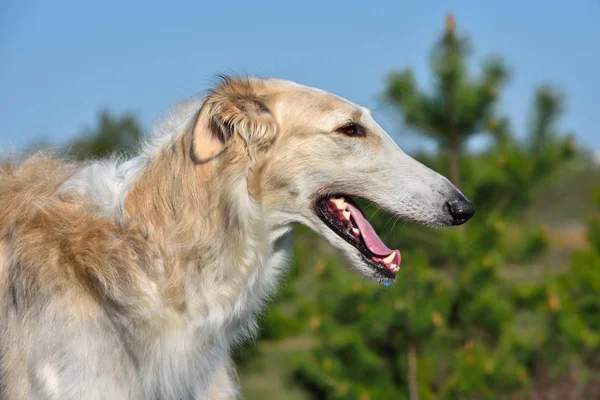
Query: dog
[[133, 279]]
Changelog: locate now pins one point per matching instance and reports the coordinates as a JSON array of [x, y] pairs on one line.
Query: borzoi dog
[[133, 279]]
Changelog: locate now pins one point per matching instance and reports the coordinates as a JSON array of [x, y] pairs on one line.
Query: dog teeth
[[339, 203], [346, 215], [355, 231], [390, 258], [394, 267]]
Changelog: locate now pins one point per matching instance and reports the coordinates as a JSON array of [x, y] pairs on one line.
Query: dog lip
[[384, 271], [325, 217]]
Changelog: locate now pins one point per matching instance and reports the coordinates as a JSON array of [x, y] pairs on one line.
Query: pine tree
[[446, 328], [460, 106]]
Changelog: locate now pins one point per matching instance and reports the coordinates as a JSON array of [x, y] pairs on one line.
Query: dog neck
[[208, 225]]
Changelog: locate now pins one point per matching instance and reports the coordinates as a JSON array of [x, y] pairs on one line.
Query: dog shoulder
[[56, 244]]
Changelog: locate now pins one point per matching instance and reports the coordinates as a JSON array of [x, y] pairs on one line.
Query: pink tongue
[[372, 240]]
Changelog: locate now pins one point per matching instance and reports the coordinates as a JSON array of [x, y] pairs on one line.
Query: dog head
[[309, 152]]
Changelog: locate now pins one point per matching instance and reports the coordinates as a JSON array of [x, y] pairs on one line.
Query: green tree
[[447, 329], [111, 134], [460, 105]]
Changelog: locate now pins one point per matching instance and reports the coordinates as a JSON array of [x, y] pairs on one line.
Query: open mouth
[[348, 221]]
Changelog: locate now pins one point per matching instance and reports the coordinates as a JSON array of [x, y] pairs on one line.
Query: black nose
[[461, 210]]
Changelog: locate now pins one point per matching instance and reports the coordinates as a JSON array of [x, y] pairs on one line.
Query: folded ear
[[232, 110]]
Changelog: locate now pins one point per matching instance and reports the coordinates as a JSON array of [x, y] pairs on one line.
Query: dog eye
[[351, 130]]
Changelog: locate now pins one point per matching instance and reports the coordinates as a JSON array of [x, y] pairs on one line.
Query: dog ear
[[232, 110]]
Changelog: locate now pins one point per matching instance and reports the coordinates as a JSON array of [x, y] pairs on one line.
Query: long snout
[[419, 194]]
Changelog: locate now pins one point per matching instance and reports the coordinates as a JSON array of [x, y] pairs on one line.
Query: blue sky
[[62, 61]]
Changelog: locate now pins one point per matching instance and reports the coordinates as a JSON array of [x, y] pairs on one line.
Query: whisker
[[388, 221], [393, 226], [375, 213], [368, 206]]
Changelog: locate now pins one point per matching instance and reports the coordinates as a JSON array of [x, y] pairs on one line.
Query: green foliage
[[464, 328], [594, 225], [120, 134], [460, 105], [478, 335]]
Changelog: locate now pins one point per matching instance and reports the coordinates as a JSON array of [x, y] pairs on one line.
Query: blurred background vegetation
[[507, 306]]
